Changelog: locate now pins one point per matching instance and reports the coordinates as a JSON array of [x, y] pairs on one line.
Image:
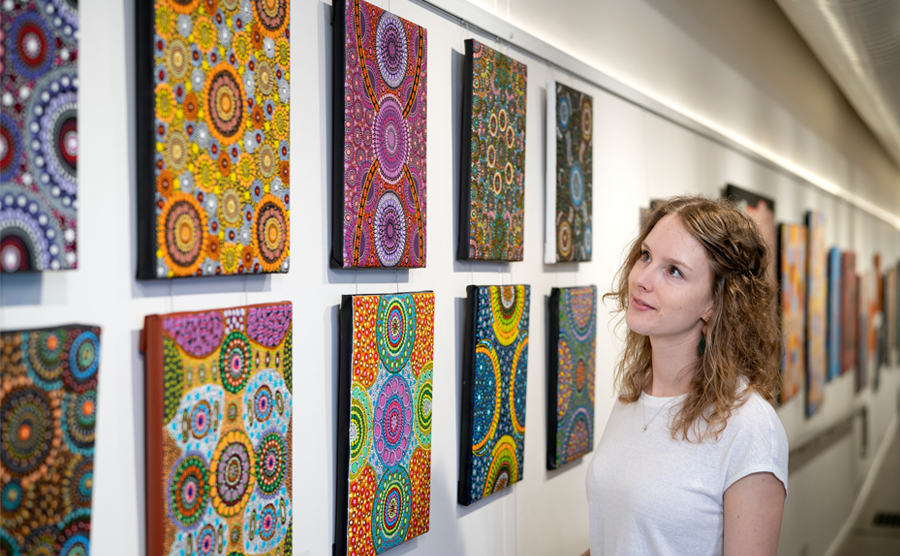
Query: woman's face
[[670, 286]]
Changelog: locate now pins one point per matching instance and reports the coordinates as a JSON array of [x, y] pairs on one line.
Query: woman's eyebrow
[[669, 260]]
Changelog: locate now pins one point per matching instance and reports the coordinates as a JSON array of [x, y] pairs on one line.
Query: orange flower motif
[[213, 248], [184, 6], [164, 183], [224, 164], [256, 37], [247, 256], [191, 106], [211, 6], [284, 172], [257, 117]]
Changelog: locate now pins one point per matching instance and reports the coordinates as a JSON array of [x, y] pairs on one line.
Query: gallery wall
[[638, 156]]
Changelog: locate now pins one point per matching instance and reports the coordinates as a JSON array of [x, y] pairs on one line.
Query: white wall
[[637, 156]]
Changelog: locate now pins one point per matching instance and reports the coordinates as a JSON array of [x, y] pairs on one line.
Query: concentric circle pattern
[[391, 511], [393, 421], [233, 473], [27, 426], [391, 139], [271, 463], [390, 229], [395, 331], [234, 362], [507, 306], [391, 49], [188, 491]]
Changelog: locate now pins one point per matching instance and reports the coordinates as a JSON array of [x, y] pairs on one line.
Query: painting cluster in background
[[383, 123], [494, 390], [226, 431], [388, 484], [762, 210], [48, 410], [570, 409], [39, 136], [792, 271], [570, 163], [219, 191], [492, 203], [849, 310]]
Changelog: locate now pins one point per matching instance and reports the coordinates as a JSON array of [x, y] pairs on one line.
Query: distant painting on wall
[[380, 125], [492, 187], [570, 392], [762, 210], [39, 136], [213, 137], [792, 271], [816, 312], [48, 416], [570, 174], [895, 337], [849, 310], [495, 369], [875, 296], [834, 313], [862, 351], [384, 421], [219, 435]]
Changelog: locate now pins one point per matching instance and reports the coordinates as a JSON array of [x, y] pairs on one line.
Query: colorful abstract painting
[[213, 137], [495, 373], [384, 423], [39, 135], [834, 313], [219, 433], [891, 311], [762, 210], [48, 416], [862, 347], [570, 174], [380, 124], [792, 271], [816, 312], [570, 396], [849, 310], [492, 188]]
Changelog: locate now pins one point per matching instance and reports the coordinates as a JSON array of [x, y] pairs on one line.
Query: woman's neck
[[673, 365]]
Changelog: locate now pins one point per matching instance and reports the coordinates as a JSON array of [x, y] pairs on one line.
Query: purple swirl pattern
[[268, 325], [198, 334]]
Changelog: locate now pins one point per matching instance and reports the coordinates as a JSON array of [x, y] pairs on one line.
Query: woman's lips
[[640, 305]]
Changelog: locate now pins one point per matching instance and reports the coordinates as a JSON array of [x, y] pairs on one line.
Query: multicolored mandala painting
[[38, 135], [570, 404], [219, 429], [492, 188], [792, 269], [384, 421], [570, 171], [214, 151], [48, 411], [380, 127], [495, 373]]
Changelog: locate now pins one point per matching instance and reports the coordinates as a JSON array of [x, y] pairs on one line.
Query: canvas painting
[[39, 136], [893, 316], [213, 145], [862, 351], [572, 357], [874, 296], [570, 174], [792, 271], [492, 188], [849, 310], [762, 210], [817, 311], [495, 372], [380, 124], [218, 399], [834, 313], [48, 417], [384, 421]]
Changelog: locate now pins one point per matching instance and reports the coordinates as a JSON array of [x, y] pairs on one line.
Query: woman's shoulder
[[755, 414]]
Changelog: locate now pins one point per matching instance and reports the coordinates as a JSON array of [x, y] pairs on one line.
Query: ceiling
[[858, 43]]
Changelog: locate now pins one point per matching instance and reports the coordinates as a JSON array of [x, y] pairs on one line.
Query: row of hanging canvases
[[214, 165]]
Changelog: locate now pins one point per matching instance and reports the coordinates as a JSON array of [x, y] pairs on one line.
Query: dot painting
[[219, 395], [573, 333], [380, 127], [38, 135], [495, 373], [492, 183], [48, 416], [385, 408], [214, 144]]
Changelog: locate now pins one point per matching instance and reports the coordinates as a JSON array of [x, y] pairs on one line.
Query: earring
[[702, 346]]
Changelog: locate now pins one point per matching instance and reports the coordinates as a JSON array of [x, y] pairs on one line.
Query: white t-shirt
[[651, 494]]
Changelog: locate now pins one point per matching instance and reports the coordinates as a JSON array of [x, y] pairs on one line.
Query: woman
[[693, 459]]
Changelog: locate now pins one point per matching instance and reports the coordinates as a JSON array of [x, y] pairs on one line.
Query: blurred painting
[[792, 273], [849, 310], [762, 210], [834, 313]]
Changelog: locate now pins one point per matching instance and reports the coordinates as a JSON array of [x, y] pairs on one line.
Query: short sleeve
[[758, 443]]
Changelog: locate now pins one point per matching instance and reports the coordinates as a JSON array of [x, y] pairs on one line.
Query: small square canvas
[[816, 312], [219, 435], [570, 171], [48, 418], [494, 383], [762, 210], [39, 136], [380, 127], [492, 173], [213, 137], [570, 392], [849, 310], [792, 272], [834, 313], [384, 421]]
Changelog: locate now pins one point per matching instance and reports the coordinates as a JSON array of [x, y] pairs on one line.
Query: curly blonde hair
[[743, 338]]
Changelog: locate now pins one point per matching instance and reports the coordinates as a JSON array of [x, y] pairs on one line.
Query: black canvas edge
[[808, 410], [467, 393], [339, 13], [779, 240], [552, 377], [465, 154], [342, 473], [145, 19], [733, 191]]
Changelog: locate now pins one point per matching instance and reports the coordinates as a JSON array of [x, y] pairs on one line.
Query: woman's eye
[[645, 256], [673, 270]]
